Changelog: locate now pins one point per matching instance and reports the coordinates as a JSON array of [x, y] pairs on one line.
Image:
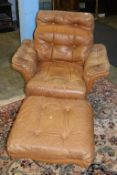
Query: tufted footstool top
[[53, 130]]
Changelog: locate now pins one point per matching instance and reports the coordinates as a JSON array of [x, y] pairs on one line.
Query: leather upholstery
[[97, 65], [61, 64], [25, 60], [58, 79], [64, 36], [79, 19], [53, 130]]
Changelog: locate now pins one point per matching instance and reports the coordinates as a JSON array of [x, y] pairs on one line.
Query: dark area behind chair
[[108, 36]]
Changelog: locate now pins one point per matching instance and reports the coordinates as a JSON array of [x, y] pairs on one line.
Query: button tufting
[[75, 25], [64, 136], [51, 117], [44, 106], [74, 46], [67, 108], [37, 133]]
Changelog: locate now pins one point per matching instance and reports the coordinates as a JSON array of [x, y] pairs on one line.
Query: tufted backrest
[[65, 36]]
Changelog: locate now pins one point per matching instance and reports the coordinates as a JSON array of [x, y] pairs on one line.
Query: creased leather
[[63, 37], [55, 122], [64, 80], [79, 19], [53, 130], [97, 65], [25, 60]]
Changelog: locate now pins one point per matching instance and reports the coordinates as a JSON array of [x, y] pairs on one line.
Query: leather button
[[51, 117], [64, 136], [67, 109], [75, 25], [74, 46], [44, 107], [37, 133]]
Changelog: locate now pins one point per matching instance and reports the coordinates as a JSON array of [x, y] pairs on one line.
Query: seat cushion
[[58, 79], [53, 130]]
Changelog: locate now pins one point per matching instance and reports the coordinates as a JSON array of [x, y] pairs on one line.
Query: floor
[[110, 21], [12, 83]]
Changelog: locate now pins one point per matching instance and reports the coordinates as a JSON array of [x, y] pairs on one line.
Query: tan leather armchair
[[55, 122], [62, 61]]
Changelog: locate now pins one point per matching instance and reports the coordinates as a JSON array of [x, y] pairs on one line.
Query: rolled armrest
[[97, 65], [25, 60]]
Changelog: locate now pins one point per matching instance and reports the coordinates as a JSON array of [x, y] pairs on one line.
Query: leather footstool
[[54, 131]]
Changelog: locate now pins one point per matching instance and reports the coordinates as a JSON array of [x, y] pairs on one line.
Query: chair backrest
[[63, 36]]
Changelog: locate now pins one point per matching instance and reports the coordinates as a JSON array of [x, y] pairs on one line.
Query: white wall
[[13, 2]]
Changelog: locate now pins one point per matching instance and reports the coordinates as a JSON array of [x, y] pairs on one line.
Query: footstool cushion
[[54, 131]]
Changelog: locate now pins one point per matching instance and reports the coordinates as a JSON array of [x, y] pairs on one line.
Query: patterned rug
[[103, 98]]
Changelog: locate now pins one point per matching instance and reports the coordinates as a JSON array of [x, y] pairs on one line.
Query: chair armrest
[[97, 65], [25, 60]]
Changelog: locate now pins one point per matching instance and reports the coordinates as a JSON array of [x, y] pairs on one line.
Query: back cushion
[[65, 36]]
